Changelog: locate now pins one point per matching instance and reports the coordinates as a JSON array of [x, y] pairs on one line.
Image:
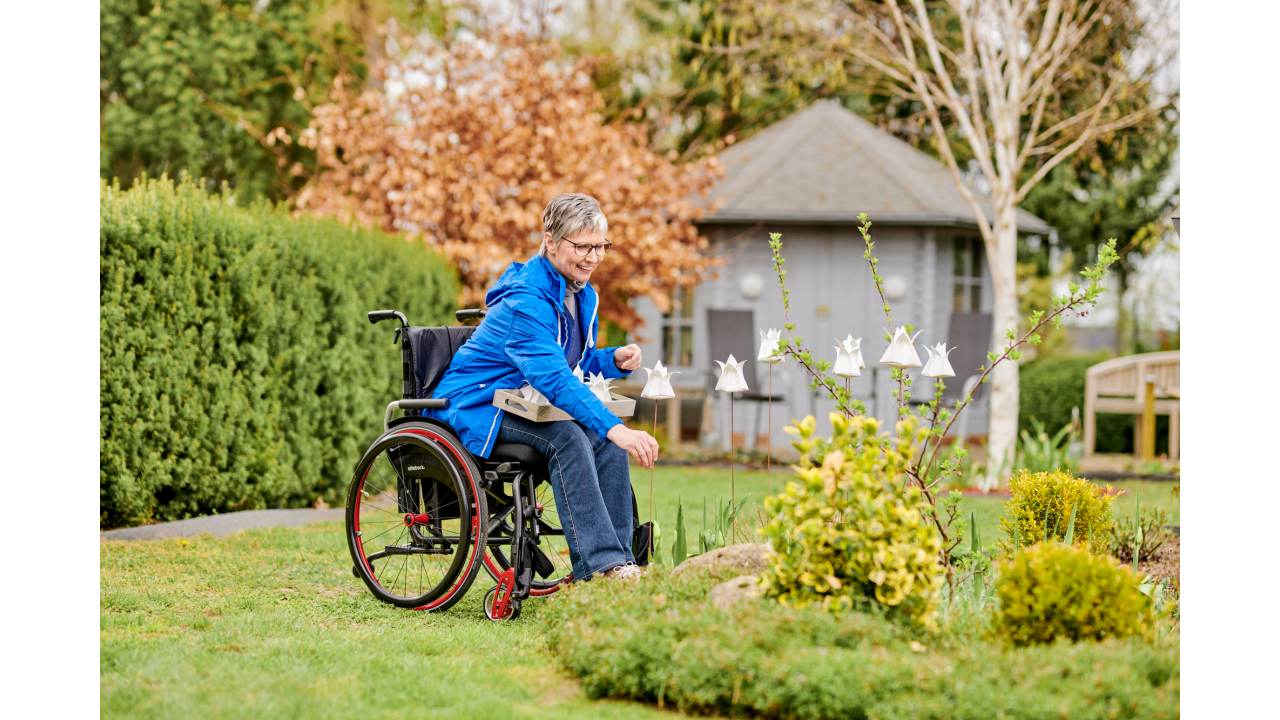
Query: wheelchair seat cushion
[[511, 452]]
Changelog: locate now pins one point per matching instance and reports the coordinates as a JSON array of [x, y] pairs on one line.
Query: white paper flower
[[731, 379], [599, 385], [528, 392], [577, 372], [769, 347], [857, 351], [902, 351], [849, 358], [658, 386], [938, 366]]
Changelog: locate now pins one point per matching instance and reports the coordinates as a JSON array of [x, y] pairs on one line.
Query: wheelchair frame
[[517, 523]]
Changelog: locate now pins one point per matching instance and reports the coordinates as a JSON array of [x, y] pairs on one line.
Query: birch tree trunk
[[1002, 427]]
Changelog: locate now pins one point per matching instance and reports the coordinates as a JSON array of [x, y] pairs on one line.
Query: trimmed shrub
[[660, 641], [238, 369], [843, 532], [1045, 500], [1051, 591]]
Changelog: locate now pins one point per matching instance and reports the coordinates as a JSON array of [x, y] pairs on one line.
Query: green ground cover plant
[[660, 642], [238, 370]]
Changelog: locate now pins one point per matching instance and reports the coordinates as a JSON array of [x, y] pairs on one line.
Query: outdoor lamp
[[938, 366], [895, 287], [658, 386], [769, 347], [731, 380], [848, 358], [901, 352]]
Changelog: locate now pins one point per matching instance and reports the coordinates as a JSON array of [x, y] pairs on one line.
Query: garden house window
[[677, 329], [967, 275]]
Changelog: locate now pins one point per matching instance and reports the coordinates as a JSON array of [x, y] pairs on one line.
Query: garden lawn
[[271, 623]]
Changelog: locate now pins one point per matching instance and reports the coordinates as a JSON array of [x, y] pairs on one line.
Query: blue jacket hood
[[535, 276]]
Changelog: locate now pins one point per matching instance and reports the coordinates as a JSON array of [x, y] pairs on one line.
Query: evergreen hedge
[[238, 369], [1048, 387]]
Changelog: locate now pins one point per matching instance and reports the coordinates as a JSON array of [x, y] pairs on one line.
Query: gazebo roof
[[825, 164]]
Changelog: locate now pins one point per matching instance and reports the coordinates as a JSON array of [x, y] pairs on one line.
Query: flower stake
[[731, 381], [770, 356], [849, 362], [657, 387], [937, 367]]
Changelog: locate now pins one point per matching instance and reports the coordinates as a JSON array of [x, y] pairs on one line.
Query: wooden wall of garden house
[[832, 295]]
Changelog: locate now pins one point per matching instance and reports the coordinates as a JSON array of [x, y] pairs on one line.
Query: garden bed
[[658, 641]]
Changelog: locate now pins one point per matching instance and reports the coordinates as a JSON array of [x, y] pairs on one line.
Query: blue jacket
[[523, 338]]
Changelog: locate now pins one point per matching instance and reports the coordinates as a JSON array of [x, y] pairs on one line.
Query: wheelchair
[[424, 515]]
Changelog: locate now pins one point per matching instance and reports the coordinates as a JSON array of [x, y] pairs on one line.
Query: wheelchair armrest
[[427, 404]]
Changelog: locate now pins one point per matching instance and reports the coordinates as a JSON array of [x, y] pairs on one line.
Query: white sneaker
[[625, 572]]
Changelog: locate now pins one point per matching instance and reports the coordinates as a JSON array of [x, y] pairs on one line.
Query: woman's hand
[[627, 358], [639, 443]]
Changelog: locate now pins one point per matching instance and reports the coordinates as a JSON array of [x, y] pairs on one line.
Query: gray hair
[[569, 214]]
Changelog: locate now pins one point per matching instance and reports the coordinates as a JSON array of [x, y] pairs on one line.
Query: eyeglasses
[[585, 249]]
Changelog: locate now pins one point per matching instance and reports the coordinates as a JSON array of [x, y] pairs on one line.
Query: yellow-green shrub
[[1050, 591], [1052, 495], [845, 532]]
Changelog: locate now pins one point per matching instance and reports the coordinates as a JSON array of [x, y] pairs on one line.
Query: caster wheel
[[355, 571], [513, 606]]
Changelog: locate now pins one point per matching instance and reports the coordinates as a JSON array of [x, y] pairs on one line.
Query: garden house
[[808, 177]]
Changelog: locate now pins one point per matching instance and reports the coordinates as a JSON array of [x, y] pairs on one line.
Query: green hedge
[[657, 640], [1049, 387], [238, 369]]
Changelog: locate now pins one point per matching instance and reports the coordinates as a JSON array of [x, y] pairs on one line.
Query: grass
[[271, 623]]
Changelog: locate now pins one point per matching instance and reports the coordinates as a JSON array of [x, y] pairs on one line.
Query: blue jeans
[[591, 482]]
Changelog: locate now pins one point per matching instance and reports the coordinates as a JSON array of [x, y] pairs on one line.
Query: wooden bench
[[1119, 386]]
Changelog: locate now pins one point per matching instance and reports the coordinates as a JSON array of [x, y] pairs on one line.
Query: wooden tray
[[511, 402]]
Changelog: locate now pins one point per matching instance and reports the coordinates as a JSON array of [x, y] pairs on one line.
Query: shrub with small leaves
[[846, 533], [238, 370], [1042, 508], [1050, 591]]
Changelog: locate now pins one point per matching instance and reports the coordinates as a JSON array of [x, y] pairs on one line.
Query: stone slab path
[[223, 525]]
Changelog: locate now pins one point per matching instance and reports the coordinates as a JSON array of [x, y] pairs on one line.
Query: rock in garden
[[743, 559], [727, 594]]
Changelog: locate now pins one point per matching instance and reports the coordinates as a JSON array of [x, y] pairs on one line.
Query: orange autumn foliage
[[469, 143]]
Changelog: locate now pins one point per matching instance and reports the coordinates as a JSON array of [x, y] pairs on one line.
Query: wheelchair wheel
[[415, 518], [513, 606], [553, 543]]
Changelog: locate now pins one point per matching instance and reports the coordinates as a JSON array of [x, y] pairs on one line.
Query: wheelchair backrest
[[429, 351]]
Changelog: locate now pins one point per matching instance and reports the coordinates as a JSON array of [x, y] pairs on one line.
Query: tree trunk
[[1122, 317], [1002, 428]]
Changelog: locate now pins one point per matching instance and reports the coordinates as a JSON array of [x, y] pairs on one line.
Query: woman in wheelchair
[[541, 326]]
